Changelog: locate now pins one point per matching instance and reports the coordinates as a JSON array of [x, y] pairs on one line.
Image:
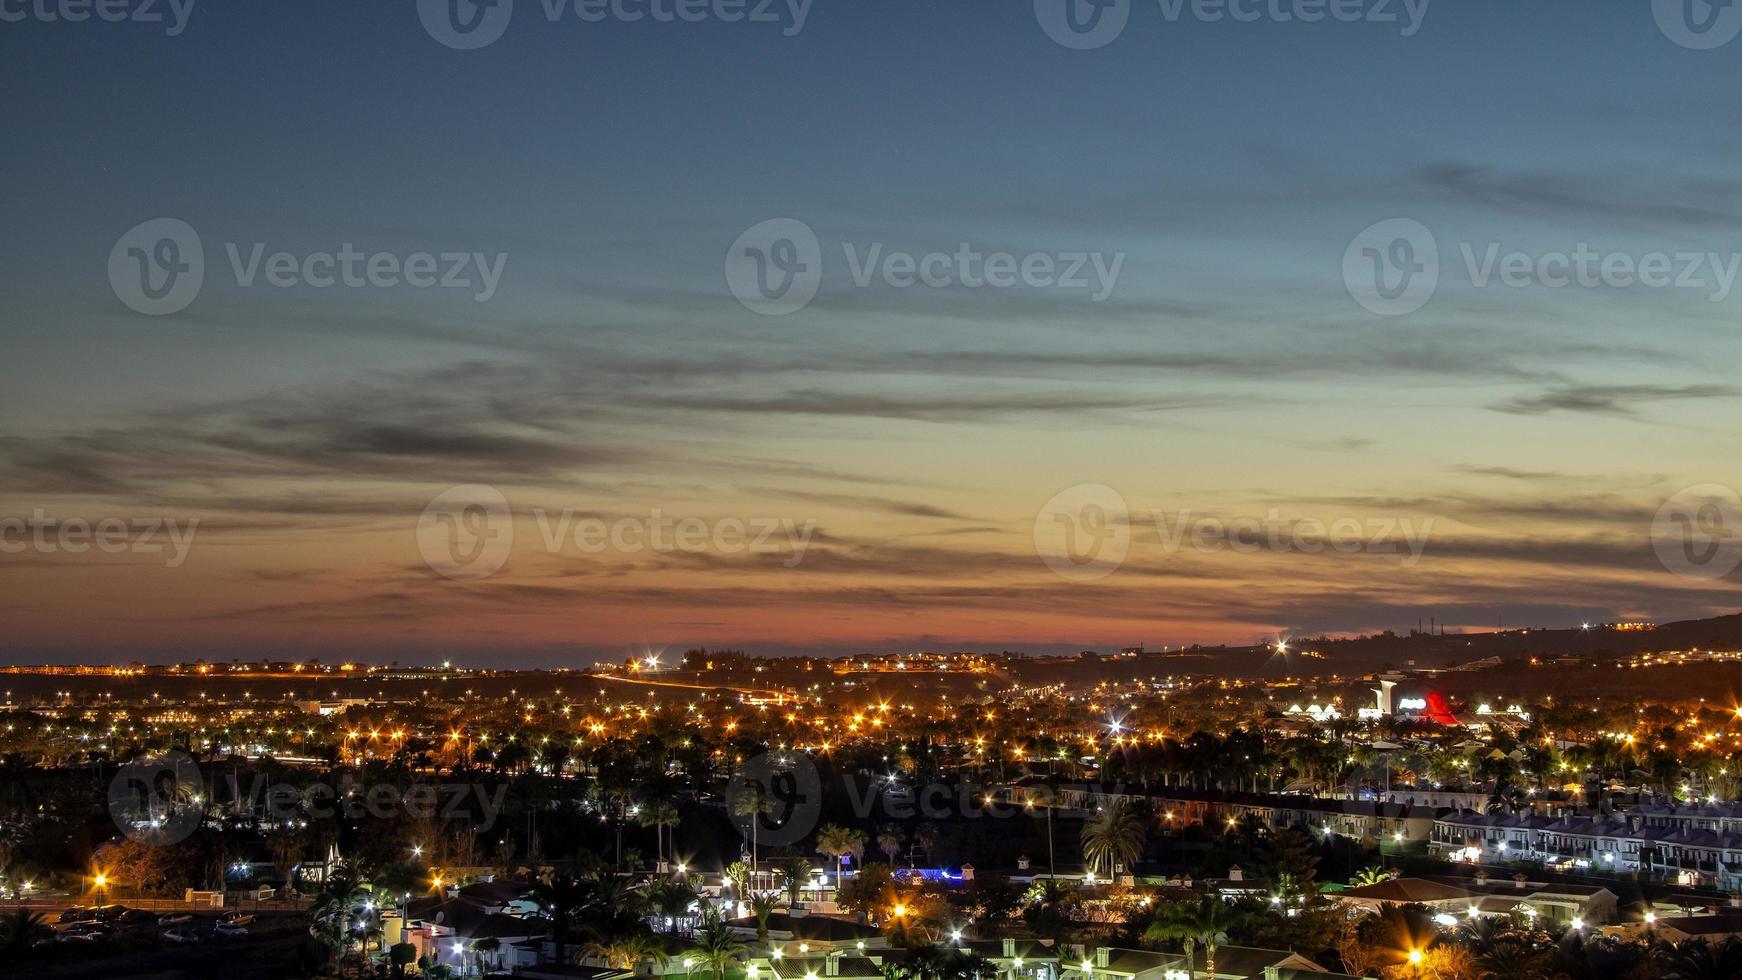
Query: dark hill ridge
[[1419, 651]]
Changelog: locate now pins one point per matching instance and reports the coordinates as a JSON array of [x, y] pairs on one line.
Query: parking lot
[[121, 940]]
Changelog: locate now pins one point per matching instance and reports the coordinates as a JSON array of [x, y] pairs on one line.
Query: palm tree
[[1043, 796], [716, 947], [1369, 876], [559, 900], [1695, 959], [889, 841], [838, 842], [623, 952], [285, 845], [1047, 908], [762, 905], [753, 800], [659, 814], [21, 929], [1205, 923], [793, 872], [1113, 837], [934, 962], [672, 899]]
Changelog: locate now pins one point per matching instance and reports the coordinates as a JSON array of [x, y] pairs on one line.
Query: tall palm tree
[[753, 800], [1113, 837], [1044, 796], [1205, 923], [659, 814], [838, 842]]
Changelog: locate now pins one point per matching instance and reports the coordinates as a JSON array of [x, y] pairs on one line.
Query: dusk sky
[[908, 438]]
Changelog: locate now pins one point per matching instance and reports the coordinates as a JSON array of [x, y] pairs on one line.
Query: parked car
[[229, 930], [237, 918], [182, 935], [138, 917], [77, 913], [174, 919]]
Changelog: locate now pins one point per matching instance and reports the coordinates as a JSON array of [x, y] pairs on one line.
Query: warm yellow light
[[1415, 956]]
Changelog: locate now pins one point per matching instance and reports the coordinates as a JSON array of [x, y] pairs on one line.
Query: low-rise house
[[1586, 904], [1694, 846], [1232, 963]]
